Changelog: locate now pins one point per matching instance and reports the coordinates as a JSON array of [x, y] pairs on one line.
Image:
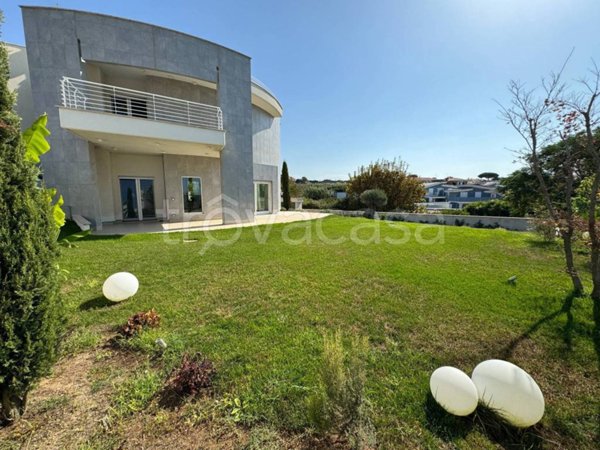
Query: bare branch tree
[[586, 117], [535, 116]]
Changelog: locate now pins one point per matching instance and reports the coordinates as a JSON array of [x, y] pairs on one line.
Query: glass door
[[262, 197], [129, 199], [137, 198], [147, 198]]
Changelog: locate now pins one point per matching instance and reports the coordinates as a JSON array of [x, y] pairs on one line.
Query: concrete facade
[[19, 82], [266, 152], [133, 55]]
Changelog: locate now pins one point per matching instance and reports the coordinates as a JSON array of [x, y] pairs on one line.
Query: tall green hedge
[[30, 308], [286, 201]]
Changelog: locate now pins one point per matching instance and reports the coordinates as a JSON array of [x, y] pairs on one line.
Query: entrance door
[[137, 198], [262, 197]]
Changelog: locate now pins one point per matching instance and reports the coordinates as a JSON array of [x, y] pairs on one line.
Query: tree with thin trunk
[[583, 115], [534, 117], [285, 187]]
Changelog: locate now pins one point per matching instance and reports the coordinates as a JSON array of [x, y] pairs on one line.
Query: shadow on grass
[[444, 425], [540, 243], [567, 330], [450, 428], [169, 399], [102, 237], [68, 229], [508, 436], [96, 303]]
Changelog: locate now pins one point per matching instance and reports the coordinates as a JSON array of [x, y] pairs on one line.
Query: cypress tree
[[30, 309], [285, 187]]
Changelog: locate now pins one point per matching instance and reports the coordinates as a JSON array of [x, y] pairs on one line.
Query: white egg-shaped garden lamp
[[510, 391], [120, 286], [453, 390]]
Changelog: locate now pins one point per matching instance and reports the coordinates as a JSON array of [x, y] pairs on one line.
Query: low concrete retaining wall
[[509, 223]]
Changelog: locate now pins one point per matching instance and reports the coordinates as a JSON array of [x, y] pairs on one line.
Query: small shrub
[[350, 203], [326, 203], [317, 193], [545, 228], [499, 208], [139, 321], [452, 212], [339, 405], [310, 204], [236, 408], [193, 375], [374, 198]]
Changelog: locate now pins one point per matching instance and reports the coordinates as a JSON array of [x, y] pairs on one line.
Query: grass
[[135, 394], [259, 310]]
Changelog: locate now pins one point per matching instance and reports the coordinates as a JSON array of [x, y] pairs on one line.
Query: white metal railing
[[98, 97]]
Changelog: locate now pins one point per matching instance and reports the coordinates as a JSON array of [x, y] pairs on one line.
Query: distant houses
[[455, 193]]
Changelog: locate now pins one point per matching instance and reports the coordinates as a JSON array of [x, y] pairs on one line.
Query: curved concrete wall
[[266, 151], [58, 42], [265, 138]]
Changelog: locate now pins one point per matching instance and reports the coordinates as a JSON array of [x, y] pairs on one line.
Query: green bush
[[545, 228], [339, 405], [317, 193], [30, 309], [285, 187], [498, 208], [326, 203], [350, 203], [450, 212], [373, 198], [403, 191]]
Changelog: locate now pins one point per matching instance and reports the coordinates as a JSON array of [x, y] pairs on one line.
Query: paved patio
[[121, 228]]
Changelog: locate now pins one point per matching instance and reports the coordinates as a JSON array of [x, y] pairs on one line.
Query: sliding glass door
[[147, 198], [137, 198]]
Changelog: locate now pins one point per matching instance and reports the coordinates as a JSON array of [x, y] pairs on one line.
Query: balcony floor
[[123, 228]]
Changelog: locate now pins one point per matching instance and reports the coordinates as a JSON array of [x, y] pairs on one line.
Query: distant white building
[[455, 193]]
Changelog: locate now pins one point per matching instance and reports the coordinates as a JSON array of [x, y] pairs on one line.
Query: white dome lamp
[[509, 390], [120, 286], [453, 390]]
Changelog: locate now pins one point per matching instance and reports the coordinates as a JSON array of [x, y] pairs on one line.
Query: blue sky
[[363, 80]]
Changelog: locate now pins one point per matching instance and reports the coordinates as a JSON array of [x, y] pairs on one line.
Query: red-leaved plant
[[193, 375], [136, 323]]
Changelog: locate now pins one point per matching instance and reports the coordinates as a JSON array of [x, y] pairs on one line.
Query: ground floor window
[[192, 194], [262, 195]]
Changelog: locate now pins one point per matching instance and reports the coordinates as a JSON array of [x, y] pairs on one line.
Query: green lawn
[[259, 310]]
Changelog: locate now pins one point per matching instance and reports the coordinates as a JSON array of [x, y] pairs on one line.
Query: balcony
[[134, 121]]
